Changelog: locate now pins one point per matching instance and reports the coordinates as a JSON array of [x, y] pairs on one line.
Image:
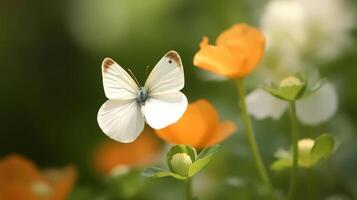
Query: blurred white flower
[[299, 32], [262, 105], [302, 33], [311, 110]]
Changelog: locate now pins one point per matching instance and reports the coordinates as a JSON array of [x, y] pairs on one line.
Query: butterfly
[[159, 102]]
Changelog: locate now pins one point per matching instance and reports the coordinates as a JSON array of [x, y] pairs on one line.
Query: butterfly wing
[[167, 75], [121, 120], [165, 109], [119, 117], [117, 83], [165, 104]]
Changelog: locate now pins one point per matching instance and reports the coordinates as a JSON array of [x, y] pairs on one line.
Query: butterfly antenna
[[132, 74], [146, 71]]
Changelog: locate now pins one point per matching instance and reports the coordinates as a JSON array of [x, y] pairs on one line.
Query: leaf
[[287, 93], [281, 164], [181, 149], [314, 88], [156, 172], [208, 151], [203, 159], [198, 165], [324, 145]]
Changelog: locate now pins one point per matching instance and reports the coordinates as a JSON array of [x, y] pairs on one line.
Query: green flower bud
[[181, 163], [289, 89]]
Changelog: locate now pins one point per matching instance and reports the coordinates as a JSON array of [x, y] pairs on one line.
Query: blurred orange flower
[[237, 52], [21, 180], [199, 127], [111, 154]]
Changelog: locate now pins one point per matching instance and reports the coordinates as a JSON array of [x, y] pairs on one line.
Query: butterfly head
[[142, 95]]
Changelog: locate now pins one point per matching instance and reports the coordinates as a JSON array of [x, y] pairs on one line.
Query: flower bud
[[181, 163], [305, 146], [290, 81]]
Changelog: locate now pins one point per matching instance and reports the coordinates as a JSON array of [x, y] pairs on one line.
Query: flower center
[[142, 95], [41, 189], [290, 81]]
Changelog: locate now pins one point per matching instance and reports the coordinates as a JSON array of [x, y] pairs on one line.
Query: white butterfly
[[160, 103]]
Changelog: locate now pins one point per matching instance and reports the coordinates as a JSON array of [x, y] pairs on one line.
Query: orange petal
[[15, 167], [197, 127], [234, 32], [204, 42], [215, 59], [61, 180], [246, 45], [17, 174], [110, 153], [196, 122], [223, 131]]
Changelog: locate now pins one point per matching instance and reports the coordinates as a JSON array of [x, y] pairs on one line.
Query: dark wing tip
[[107, 62], [174, 56]]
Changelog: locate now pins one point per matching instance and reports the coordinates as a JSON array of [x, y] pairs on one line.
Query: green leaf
[[314, 88], [208, 151], [181, 149], [156, 172], [289, 93], [324, 145], [203, 159], [281, 164]]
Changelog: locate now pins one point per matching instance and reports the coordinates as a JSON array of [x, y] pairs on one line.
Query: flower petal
[[215, 59], [246, 44], [198, 127], [261, 105], [224, 130], [318, 107], [110, 154], [193, 126], [62, 181]]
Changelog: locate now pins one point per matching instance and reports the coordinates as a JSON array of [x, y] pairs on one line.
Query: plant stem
[[251, 138], [294, 138], [189, 189]]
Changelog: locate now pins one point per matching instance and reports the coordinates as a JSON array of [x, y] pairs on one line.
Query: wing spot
[[173, 56], [107, 62]]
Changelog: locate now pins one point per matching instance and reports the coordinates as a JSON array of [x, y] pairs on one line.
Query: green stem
[[251, 138], [189, 189], [295, 139]]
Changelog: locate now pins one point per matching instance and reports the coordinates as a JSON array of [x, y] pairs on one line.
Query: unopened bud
[[181, 163]]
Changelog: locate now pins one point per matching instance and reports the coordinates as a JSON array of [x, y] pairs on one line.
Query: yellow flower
[[21, 180], [237, 52], [199, 127], [110, 154]]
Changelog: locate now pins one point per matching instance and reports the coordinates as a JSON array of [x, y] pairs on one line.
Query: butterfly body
[[159, 102], [142, 95]]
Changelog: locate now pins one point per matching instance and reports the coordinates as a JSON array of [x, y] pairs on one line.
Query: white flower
[[318, 108], [299, 32], [262, 105], [311, 110]]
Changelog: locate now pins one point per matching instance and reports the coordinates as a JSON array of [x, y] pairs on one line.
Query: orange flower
[[21, 180], [199, 127], [111, 154], [237, 52]]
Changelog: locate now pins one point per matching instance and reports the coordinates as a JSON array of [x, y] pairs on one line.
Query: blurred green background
[[51, 90]]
